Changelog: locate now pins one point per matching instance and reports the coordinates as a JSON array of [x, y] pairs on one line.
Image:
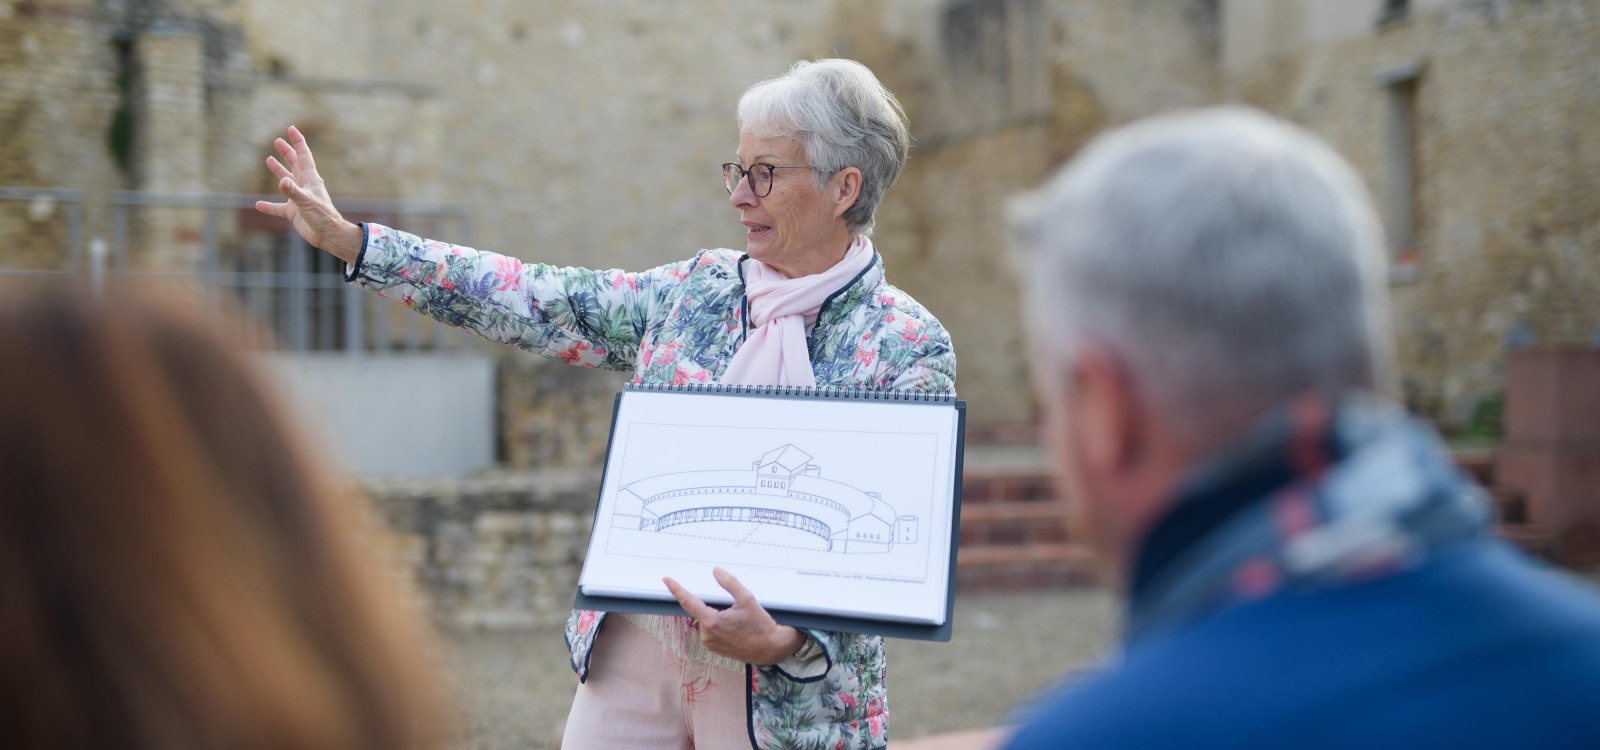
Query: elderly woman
[[805, 304]]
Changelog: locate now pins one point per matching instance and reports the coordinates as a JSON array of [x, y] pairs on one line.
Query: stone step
[[1478, 463], [1013, 510], [999, 485], [1534, 540], [1013, 522], [1065, 552], [1024, 566], [1510, 505], [1014, 531]]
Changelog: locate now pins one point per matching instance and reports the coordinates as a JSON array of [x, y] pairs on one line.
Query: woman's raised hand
[[309, 208]]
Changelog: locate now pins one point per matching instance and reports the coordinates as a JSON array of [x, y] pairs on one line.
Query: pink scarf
[[775, 353]]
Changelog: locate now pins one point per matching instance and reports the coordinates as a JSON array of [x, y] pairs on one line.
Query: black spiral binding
[[845, 392]]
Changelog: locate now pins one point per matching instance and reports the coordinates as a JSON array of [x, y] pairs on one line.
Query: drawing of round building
[[782, 499]]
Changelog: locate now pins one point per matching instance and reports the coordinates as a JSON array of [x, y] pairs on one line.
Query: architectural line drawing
[[782, 488]]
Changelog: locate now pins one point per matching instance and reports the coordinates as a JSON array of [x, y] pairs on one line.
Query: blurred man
[[1303, 565]]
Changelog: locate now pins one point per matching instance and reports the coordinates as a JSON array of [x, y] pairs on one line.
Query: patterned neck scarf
[[1320, 493]]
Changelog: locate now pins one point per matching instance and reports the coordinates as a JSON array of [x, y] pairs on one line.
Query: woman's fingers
[[697, 609], [285, 151], [733, 586], [302, 150], [308, 203], [280, 210], [277, 169]]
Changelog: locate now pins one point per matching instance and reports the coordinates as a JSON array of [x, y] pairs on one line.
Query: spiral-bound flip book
[[837, 507]]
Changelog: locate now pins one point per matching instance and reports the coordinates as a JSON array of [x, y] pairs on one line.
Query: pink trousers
[[641, 696]]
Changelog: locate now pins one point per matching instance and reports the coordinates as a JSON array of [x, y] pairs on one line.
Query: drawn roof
[[789, 457]]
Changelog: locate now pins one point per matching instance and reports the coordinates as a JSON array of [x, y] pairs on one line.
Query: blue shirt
[[1328, 582], [1477, 648]]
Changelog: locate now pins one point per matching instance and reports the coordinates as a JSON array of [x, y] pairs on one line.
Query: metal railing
[[254, 264]]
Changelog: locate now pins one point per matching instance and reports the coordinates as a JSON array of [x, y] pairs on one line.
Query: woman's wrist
[[345, 242], [792, 640]]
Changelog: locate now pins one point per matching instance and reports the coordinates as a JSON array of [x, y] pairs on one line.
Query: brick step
[[1014, 534], [1534, 540], [1012, 510], [1024, 566], [991, 485], [1011, 523], [1477, 463], [1510, 505], [1065, 552]]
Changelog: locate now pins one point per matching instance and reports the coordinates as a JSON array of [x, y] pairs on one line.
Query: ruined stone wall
[[575, 132], [495, 552], [1504, 238], [999, 93], [588, 133], [59, 93], [1506, 248]]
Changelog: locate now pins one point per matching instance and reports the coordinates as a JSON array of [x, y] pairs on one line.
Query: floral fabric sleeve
[[577, 315], [935, 372]]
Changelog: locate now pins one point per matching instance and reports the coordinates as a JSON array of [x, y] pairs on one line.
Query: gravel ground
[[516, 687]]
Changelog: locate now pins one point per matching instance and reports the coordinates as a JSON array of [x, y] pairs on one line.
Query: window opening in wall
[[1400, 204]]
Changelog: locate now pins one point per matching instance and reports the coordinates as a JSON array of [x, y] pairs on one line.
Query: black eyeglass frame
[[733, 184]]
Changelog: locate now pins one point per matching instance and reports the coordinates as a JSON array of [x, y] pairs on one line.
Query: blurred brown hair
[[175, 571]]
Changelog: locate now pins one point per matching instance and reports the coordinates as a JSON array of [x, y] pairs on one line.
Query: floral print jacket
[[676, 324]]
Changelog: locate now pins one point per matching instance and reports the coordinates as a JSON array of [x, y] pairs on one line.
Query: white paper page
[[820, 505]]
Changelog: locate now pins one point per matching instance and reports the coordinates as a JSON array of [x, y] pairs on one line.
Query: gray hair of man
[[843, 117], [1230, 259]]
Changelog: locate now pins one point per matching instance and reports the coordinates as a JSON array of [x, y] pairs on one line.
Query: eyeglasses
[[760, 175]]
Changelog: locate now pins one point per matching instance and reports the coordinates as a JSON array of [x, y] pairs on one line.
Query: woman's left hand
[[744, 632]]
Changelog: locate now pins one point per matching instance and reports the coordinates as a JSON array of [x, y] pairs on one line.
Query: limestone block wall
[[1505, 215], [1000, 92], [169, 140], [589, 133], [577, 133], [495, 552], [1506, 242], [553, 415], [59, 92]]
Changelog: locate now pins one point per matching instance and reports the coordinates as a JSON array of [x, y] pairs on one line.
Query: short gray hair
[[1232, 259], [843, 117]]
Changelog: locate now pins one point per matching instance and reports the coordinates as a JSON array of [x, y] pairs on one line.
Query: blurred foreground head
[[174, 570], [1186, 275]]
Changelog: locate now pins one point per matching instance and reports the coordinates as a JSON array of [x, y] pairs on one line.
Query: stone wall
[[494, 552], [1505, 247], [60, 87], [553, 415], [588, 133], [1000, 92], [1504, 191], [575, 132]]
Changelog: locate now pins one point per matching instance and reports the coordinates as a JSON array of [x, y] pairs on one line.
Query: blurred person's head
[[839, 138], [1185, 275], [175, 572]]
